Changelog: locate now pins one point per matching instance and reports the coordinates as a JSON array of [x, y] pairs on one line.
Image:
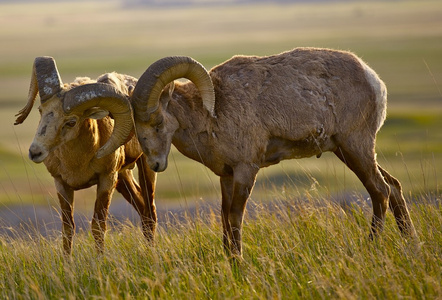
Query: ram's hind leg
[[147, 179], [361, 160], [398, 205], [130, 190]]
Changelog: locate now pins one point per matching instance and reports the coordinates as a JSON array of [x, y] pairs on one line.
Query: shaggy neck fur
[[64, 162], [195, 124]]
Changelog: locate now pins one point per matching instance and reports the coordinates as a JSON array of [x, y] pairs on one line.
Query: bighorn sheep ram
[[252, 112], [74, 125]]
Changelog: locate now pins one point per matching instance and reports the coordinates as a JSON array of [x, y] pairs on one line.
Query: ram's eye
[[70, 123], [159, 126]]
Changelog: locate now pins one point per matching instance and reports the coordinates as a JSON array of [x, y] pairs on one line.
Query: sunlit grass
[[294, 248]]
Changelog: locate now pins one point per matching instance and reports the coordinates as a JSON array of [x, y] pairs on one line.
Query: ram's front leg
[[66, 197], [243, 182], [105, 189], [226, 193]]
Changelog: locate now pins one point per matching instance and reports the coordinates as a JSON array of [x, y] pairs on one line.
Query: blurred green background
[[401, 40]]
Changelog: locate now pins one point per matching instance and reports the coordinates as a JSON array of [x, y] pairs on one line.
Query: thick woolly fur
[[67, 145], [295, 104], [292, 105]]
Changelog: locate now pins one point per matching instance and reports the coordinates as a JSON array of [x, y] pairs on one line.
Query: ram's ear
[[95, 113], [130, 90], [169, 90]]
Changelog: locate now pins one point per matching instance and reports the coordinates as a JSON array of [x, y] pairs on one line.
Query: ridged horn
[[45, 80], [107, 97], [145, 98]]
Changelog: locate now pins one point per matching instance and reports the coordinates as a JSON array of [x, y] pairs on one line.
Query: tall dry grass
[[293, 249]]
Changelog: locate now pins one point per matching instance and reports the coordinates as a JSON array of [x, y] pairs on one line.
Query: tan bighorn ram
[[252, 112], [77, 142]]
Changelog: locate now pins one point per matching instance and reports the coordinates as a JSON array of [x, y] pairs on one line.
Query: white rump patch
[[380, 91]]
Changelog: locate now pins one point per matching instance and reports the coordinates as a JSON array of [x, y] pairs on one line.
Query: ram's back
[[302, 98]]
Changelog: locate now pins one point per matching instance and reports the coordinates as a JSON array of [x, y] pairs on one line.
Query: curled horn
[[45, 80], [107, 97], [145, 98]]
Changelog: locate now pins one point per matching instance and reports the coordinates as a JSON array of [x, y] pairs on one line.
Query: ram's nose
[[37, 154], [158, 166]]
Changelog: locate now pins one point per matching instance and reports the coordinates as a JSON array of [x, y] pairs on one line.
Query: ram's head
[[155, 126], [64, 108]]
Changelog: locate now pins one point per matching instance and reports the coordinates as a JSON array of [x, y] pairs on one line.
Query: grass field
[[298, 250], [284, 256]]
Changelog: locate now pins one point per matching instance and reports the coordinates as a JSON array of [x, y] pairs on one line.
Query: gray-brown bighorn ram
[[77, 142], [252, 112]]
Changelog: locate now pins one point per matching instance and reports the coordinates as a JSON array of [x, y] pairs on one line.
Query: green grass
[[294, 249]]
